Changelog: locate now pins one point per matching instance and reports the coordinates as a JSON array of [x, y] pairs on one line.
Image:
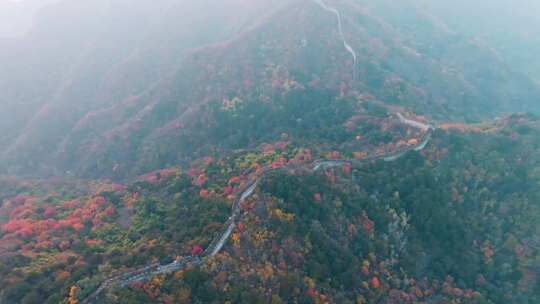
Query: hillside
[[375, 232], [131, 105], [289, 151], [102, 59]]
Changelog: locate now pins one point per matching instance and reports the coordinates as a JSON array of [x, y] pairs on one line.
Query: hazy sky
[[16, 15]]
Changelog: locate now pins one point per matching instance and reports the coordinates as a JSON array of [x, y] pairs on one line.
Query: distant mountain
[[108, 51], [511, 27], [134, 90]]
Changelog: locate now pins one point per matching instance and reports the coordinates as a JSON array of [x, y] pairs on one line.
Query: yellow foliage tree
[[72, 297], [184, 296], [283, 216], [310, 283], [235, 239], [276, 300], [267, 272]]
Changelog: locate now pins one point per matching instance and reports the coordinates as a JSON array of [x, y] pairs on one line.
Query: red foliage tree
[[375, 283], [196, 250], [204, 193]]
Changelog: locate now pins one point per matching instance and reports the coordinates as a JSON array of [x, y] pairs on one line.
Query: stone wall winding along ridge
[[249, 188]]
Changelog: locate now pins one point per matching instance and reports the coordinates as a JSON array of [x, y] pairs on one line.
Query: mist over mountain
[[256, 151], [129, 60], [512, 28], [102, 43]]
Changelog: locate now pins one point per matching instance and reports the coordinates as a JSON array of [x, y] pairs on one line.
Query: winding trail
[[219, 241], [246, 191], [347, 46], [413, 123]]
